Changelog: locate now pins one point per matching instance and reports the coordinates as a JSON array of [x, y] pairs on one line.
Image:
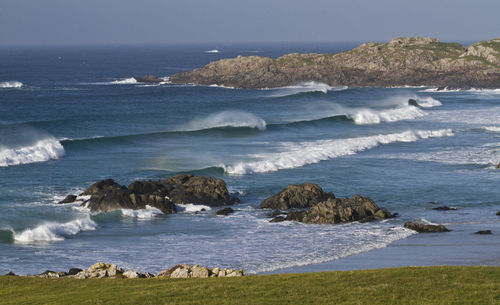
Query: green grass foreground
[[409, 285]]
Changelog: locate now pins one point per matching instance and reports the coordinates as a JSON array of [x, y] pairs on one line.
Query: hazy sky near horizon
[[68, 22]]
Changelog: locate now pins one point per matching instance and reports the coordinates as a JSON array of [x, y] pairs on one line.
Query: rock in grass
[[300, 196], [74, 271], [11, 274], [484, 232], [421, 228], [224, 212]]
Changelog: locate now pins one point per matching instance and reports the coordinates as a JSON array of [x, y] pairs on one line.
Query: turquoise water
[[69, 117]]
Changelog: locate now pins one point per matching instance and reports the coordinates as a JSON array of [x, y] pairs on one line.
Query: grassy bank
[[410, 285]]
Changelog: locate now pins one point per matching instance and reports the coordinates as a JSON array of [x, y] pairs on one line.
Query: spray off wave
[[40, 151], [305, 87], [53, 231], [300, 154], [11, 84], [230, 118]]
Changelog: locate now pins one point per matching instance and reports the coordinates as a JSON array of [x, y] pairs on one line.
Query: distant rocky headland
[[413, 61]]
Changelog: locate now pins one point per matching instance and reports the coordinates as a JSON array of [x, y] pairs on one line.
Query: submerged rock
[[107, 195], [68, 199], [445, 208], [224, 212], [484, 232], [340, 210], [300, 196], [421, 228]]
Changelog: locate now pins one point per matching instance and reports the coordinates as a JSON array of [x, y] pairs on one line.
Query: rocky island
[[409, 61]]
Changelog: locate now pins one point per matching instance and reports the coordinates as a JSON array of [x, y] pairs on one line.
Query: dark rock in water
[[11, 273], [274, 214], [340, 210], [107, 195], [224, 212], [68, 199], [278, 219], [148, 79], [421, 228], [484, 232], [299, 196], [102, 186], [444, 208], [498, 165], [498, 213], [200, 190], [412, 102], [74, 271]]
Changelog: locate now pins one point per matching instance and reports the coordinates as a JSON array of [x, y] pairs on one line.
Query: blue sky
[[68, 22]]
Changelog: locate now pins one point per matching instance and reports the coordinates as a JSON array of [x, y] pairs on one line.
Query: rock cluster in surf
[[308, 203], [413, 61], [107, 195]]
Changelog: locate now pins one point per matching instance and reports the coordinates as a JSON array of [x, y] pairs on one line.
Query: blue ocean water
[[72, 116]]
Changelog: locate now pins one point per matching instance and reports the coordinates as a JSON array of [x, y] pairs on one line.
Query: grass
[[409, 285]]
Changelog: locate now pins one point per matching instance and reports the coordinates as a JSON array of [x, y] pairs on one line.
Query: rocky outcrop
[[107, 195], [104, 270], [300, 196], [340, 210], [422, 228], [148, 79], [310, 204], [411, 61]]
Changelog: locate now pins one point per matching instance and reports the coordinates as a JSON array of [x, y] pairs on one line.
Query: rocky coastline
[[405, 61]]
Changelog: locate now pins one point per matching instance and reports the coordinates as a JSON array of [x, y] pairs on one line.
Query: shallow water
[[70, 117]]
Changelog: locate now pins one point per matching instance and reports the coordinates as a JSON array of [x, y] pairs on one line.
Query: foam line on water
[[300, 154], [147, 213], [192, 208]]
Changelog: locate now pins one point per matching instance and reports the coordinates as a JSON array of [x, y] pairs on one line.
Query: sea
[[70, 116]]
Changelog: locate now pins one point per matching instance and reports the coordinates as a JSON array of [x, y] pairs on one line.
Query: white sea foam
[[294, 155], [40, 151], [212, 51], [230, 118], [192, 208], [369, 116], [147, 213], [472, 90], [11, 84], [310, 86], [53, 231]]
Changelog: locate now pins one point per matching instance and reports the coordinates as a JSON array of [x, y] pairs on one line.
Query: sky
[[102, 22]]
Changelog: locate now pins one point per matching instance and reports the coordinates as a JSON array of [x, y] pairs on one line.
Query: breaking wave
[[428, 102], [147, 213], [491, 128], [300, 154], [305, 87], [11, 84], [212, 51], [230, 118], [125, 81], [368, 116], [192, 208], [53, 231], [39, 151]]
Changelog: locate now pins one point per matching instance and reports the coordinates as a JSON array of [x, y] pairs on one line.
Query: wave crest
[[11, 84], [53, 231], [147, 213], [300, 154], [368, 116], [230, 118], [304, 87]]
